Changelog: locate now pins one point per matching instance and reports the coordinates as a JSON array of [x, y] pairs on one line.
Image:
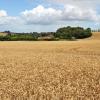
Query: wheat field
[[50, 70]]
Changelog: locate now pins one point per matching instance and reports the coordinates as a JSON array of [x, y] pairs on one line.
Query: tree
[[69, 32]]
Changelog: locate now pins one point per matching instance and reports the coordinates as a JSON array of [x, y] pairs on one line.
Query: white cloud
[[9, 22], [3, 13], [72, 12], [41, 15], [88, 3], [35, 19], [5, 19]]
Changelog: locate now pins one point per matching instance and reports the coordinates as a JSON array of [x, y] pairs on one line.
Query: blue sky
[[13, 7], [48, 15]]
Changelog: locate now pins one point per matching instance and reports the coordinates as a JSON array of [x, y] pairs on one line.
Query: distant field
[[3, 34], [50, 70], [96, 36]]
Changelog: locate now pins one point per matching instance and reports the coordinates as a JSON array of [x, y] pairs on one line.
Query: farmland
[[50, 70], [3, 34]]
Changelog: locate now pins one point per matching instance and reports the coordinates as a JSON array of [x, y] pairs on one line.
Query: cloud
[[77, 2], [43, 16], [3, 13], [9, 22], [72, 12], [6, 19]]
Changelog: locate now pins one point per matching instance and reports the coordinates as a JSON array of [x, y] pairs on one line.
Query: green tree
[[76, 32]]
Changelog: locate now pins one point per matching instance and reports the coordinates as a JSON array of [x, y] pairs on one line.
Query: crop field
[[50, 70], [3, 34]]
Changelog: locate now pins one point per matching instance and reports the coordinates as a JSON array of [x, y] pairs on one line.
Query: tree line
[[73, 32], [66, 33]]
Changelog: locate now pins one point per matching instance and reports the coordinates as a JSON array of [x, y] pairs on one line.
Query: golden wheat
[[60, 70]]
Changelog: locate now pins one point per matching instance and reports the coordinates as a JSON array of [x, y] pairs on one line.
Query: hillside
[[96, 36]]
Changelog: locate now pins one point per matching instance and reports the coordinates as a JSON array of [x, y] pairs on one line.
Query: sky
[[48, 15]]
